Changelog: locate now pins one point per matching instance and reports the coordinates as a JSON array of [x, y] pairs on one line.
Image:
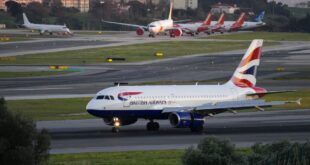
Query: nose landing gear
[[116, 125]]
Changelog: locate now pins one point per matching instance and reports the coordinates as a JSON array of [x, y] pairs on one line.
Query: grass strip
[[163, 157], [132, 53]]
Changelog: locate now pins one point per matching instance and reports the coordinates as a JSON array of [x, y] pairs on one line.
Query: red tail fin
[[221, 19], [240, 20], [208, 20]]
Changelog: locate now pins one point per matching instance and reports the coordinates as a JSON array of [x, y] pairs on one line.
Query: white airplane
[[186, 106], [44, 28], [256, 24], [241, 24], [195, 27], [156, 27]]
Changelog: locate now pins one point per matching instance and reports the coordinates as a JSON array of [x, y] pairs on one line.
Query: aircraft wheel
[[51, 33], [197, 129], [152, 126]]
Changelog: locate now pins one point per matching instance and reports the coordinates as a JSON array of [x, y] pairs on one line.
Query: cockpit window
[[106, 97], [100, 97], [152, 25]]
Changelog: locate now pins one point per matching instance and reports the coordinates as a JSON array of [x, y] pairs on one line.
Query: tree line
[[278, 15]]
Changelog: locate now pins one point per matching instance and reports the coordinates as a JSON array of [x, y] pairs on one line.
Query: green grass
[[32, 74], [99, 32], [304, 94], [132, 53], [273, 36], [74, 108], [51, 109], [164, 157]]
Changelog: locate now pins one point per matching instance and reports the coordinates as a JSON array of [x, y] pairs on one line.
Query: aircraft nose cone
[[91, 105]]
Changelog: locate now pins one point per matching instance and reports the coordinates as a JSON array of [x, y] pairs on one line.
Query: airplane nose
[[91, 105]]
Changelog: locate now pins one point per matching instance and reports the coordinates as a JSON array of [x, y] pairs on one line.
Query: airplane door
[[124, 98], [126, 101]]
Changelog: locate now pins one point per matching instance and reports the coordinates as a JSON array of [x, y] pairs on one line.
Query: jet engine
[[123, 121], [176, 32], [186, 120], [140, 31]]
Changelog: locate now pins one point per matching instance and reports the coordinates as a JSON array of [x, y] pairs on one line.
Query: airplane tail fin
[[221, 19], [245, 74], [208, 20], [171, 9], [241, 19], [260, 17], [26, 21]]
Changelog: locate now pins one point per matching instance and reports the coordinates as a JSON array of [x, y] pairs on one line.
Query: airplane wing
[[126, 24], [210, 109]]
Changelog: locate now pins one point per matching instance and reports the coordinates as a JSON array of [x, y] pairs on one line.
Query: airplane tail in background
[[260, 17], [26, 21], [221, 19], [171, 10], [245, 74], [241, 19], [208, 20]]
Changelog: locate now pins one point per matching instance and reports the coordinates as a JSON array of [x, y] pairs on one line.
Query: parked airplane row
[[208, 26], [185, 106]]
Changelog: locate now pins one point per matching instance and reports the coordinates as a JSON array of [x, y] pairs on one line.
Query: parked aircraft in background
[[195, 27], [230, 26], [185, 106], [256, 24], [216, 26], [44, 28], [156, 27]]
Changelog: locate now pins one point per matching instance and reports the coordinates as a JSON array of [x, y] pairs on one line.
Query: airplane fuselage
[[160, 26], [144, 101], [47, 28]]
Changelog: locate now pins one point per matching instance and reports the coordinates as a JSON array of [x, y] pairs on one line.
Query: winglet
[[299, 101]]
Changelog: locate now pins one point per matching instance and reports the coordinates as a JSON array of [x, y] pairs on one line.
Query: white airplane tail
[[170, 11], [26, 21], [245, 74]]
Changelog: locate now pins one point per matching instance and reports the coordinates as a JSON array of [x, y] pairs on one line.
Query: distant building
[[2, 5], [185, 4], [224, 8], [82, 5], [291, 3]]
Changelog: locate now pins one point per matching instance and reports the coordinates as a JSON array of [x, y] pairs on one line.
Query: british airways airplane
[[185, 106]]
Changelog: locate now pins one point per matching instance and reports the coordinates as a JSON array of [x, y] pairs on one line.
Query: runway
[[243, 129]]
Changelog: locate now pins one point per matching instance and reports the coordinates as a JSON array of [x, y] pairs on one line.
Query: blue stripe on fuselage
[[146, 114]]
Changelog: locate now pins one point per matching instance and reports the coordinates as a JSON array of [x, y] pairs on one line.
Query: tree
[[213, 151], [36, 11], [20, 142], [14, 8]]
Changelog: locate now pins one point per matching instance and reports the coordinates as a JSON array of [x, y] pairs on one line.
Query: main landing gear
[[152, 126]]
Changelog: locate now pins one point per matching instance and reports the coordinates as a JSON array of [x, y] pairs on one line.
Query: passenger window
[[100, 97]]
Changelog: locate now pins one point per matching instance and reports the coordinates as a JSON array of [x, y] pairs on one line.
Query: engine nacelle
[[123, 121], [140, 31], [185, 120], [176, 32]]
